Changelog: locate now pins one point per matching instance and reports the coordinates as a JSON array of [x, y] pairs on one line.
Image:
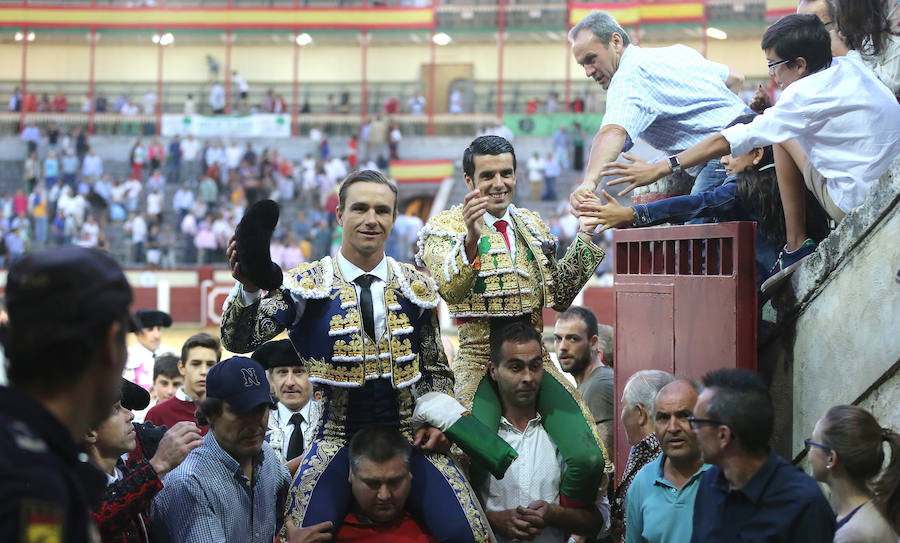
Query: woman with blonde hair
[[846, 452]]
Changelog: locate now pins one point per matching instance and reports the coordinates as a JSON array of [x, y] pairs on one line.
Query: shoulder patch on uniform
[[25, 439], [42, 522], [311, 280]]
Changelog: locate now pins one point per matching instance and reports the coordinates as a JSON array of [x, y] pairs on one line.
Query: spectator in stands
[[267, 103], [208, 191], [863, 25], [157, 155], [188, 228], [217, 98], [561, 147], [31, 135], [578, 137], [81, 143], [750, 492], [638, 398], [660, 501], [52, 134], [60, 104], [525, 504], [190, 105], [175, 159], [198, 355], [242, 87], [133, 188], [51, 169], [233, 155], [212, 68], [122, 513], [70, 164], [456, 101], [101, 103], [149, 102], [581, 346], [166, 242], [670, 96], [205, 240], [31, 171], [846, 452], [416, 104], [136, 227], [552, 171], [90, 232], [130, 109], [804, 133], [44, 105], [120, 102], [394, 139], [155, 206], [207, 497], [138, 158], [38, 209], [156, 181], [190, 149], [15, 100], [280, 106], [182, 201], [92, 167]]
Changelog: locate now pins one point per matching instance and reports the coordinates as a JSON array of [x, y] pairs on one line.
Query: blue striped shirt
[[208, 499], [671, 97]]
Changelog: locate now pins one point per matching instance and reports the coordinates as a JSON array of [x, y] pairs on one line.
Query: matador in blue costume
[[333, 310]]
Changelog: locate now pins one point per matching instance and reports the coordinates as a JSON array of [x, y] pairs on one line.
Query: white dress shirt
[[351, 272], [510, 230], [846, 121], [283, 422]]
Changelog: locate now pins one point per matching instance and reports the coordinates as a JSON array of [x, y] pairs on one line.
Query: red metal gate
[[685, 302]]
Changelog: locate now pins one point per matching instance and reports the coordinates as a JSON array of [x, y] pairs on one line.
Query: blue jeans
[[711, 177]]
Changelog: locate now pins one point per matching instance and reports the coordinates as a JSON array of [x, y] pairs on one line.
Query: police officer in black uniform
[[65, 342]]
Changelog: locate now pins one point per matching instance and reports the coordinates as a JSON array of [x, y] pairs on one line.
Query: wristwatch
[[674, 163]]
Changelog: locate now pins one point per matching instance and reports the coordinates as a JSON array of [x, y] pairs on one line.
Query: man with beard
[[233, 487], [660, 503], [65, 342], [580, 352]]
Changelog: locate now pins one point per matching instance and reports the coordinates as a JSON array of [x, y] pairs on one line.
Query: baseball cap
[[133, 397], [241, 382], [69, 288]]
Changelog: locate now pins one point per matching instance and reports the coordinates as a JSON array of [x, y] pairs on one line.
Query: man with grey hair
[[660, 503], [638, 398], [670, 96]]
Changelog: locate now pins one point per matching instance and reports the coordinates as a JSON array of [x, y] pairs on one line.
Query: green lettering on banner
[[546, 125], [243, 126]]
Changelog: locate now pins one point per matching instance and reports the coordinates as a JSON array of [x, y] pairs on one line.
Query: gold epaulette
[[417, 287], [311, 280]]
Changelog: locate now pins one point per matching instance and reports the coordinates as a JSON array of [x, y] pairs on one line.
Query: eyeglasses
[[772, 65], [695, 422], [809, 444]]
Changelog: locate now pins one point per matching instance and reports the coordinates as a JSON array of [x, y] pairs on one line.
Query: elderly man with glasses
[[750, 493]]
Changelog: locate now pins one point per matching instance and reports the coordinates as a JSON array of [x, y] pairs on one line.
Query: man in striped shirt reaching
[[671, 97]]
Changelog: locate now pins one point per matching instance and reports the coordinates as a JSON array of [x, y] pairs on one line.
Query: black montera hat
[[149, 318], [277, 353], [133, 396], [253, 236]]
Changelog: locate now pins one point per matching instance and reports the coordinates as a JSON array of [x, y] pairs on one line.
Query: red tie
[[501, 227]]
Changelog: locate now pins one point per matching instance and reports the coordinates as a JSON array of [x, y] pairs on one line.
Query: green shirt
[[656, 511]]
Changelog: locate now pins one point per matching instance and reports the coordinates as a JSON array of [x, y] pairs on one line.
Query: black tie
[[365, 303], [295, 446]]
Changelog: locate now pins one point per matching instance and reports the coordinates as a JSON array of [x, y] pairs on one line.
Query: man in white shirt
[[233, 155], [291, 424], [525, 504], [182, 201], [835, 131], [217, 98], [141, 355]]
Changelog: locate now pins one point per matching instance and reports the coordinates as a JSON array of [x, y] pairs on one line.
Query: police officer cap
[[70, 288], [277, 353], [148, 318], [133, 396], [253, 236]]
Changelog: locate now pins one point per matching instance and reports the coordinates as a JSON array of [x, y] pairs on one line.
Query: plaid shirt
[[671, 97], [208, 499]]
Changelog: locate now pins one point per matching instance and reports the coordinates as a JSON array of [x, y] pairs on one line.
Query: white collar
[[351, 271], [284, 414], [536, 421], [490, 219], [182, 395]]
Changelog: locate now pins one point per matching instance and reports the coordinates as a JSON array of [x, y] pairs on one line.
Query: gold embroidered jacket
[[320, 311]]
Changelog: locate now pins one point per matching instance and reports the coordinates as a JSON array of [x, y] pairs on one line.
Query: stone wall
[[833, 336]]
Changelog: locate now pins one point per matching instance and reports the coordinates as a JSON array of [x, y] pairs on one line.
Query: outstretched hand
[[639, 173], [610, 215], [581, 192]]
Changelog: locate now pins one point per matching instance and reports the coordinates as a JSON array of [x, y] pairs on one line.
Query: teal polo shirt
[[656, 511]]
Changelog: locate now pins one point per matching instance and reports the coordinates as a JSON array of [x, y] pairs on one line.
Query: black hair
[[52, 356], [794, 36], [742, 402], [208, 408], [167, 365], [367, 176], [201, 340], [585, 315], [485, 145], [378, 444], [517, 332], [863, 25]]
